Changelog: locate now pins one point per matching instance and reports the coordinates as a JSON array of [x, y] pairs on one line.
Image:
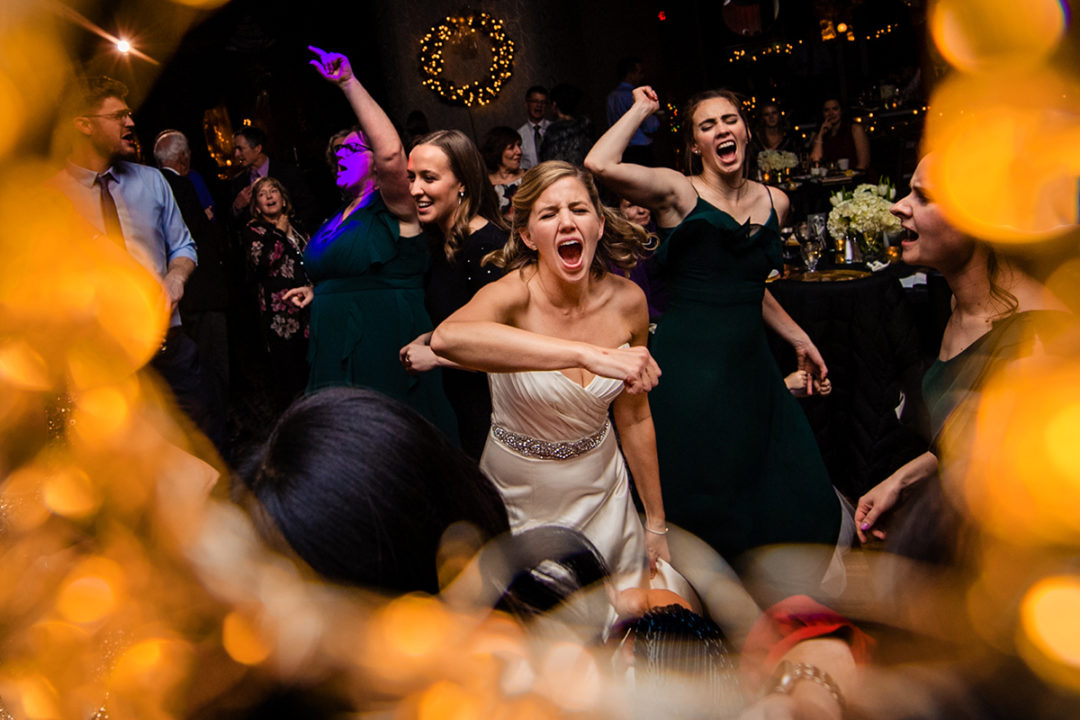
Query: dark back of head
[[84, 95], [362, 488], [567, 98], [546, 566], [629, 68], [675, 648]]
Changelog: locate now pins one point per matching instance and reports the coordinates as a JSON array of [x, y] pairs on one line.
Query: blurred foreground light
[[202, 4], [91, 591], [85, 312], [570, 676], [1050, 625], [242, 639], [70, 492], [992, 35], [1023, 484], [448, 701], [1006, 164]]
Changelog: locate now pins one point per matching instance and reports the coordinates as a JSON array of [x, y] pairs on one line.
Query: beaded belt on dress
[[545, 450]]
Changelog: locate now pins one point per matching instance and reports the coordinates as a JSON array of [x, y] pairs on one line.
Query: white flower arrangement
[[864, 209], [771, 160]]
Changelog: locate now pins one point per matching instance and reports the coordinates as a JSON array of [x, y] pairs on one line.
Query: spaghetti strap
[[769, 192]]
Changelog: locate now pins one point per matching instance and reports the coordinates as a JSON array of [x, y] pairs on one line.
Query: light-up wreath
[[462, 30]]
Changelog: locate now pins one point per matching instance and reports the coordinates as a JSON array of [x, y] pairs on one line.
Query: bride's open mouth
[[570, 251]]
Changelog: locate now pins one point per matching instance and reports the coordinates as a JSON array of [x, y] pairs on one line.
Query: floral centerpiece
[[864, 214], [775, 160]]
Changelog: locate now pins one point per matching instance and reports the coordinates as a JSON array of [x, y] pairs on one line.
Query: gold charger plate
[[835, 275]]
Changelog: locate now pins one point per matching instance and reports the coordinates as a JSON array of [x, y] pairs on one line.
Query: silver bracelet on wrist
[[656, 532]]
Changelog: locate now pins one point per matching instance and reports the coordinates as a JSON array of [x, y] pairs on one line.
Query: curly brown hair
[[623, 243]]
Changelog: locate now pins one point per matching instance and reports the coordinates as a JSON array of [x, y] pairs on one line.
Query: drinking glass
[[811, 252]]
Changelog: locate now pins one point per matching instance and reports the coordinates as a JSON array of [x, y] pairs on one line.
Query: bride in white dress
[[563, 340]]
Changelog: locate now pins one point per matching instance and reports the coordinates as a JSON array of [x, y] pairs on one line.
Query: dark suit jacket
[[206, 289], [292, 177]]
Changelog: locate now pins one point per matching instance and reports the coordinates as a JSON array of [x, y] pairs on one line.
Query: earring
[[460, 196]]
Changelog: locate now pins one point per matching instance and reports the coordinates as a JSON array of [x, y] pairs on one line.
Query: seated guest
[[771, 132], [360, 517], [839, 138], [502, 155], [275, 251], [1000, 315], [570, 136]]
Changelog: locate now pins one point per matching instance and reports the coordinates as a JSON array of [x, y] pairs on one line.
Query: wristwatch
[[787, 674]]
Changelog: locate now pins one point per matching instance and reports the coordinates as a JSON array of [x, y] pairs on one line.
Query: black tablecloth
[[866, 333]]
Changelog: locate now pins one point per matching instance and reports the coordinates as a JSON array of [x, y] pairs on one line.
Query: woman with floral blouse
[[275, 265]]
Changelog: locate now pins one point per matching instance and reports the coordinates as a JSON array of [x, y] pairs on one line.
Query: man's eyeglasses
[[351, 148], [118, 115]]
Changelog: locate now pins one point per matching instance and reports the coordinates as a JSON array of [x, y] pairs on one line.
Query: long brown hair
[[622, 244], [693, 160], [479, 196]]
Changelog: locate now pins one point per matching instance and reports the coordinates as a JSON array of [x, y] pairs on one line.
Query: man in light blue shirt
[[132, 205], [632, 74]]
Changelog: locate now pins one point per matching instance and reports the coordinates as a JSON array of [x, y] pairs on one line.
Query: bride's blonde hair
[[623, 243]]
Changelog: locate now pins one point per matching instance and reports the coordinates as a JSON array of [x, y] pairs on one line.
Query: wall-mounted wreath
[[464, 31]]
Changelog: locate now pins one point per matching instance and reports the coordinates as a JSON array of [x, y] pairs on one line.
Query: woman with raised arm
[[367, 264], [740, 465], [563, 340]]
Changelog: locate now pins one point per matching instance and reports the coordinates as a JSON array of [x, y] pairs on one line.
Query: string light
[[432, 64]]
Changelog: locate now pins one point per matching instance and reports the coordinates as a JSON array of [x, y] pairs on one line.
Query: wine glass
[[811, 252]]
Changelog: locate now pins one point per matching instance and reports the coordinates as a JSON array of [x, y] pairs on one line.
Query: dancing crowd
[[471, 338]]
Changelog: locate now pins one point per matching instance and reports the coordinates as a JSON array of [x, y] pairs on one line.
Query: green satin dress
[[739, 466]]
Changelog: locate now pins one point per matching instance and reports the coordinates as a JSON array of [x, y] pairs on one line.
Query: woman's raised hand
[[633, 365], [333, 66], [646, 96]]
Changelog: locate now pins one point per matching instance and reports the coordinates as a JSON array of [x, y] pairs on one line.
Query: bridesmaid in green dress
[[739, 463], [1000, 314], [367, 264]]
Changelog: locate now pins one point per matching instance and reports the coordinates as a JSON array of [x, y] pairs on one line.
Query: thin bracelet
[[656, 532]]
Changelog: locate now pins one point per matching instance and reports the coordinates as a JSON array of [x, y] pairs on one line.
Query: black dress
[[450, 285]]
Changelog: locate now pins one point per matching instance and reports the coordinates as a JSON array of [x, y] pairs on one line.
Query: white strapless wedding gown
[[553, 455]]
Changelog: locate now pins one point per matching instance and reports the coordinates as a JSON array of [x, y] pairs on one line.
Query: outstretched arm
[[481, 336], [881, 498], [389, 154], [667, 193]]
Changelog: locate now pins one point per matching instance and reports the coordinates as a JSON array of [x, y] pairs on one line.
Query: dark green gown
[[739, 465], [369, 303]]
